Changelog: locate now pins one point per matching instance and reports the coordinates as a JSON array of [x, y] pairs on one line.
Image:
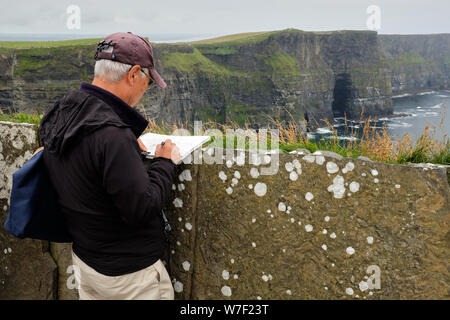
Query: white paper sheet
[[186, 144]]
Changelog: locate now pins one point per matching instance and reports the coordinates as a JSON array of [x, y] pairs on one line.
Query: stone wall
[[320, 227]]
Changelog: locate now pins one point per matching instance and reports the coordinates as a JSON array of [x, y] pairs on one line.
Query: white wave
[[437, 106], [427, 92], [418, 107], [430, 114], [323, 130], [402, 95], [399, 125], [442, 96]]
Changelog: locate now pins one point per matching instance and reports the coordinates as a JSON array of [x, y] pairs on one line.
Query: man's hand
[[170, 151], [142, 145]]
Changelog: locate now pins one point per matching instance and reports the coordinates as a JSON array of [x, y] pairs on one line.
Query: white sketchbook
[[186, 144]]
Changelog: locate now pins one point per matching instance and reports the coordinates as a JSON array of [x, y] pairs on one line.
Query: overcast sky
[[222, 17]]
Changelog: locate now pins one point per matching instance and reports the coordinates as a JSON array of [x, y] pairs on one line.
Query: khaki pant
[[151, 283]]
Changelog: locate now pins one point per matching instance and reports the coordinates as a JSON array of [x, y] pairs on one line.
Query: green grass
[[21, 117], [191, 62], [281, 63], [47, 44]]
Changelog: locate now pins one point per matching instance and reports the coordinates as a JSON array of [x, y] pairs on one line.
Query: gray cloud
[[222, 17]]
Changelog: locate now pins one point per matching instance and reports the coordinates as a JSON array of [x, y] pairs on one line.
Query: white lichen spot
[[324, 231], [235, 276], [320, 160], [250, 186], [349, 291], [268, 211], [5, 251], [333, 235], [289, 166], [292, 220], [178, 203], [222, 176], [226, 291], [324, 247], [178, 243], [332, 167], [308, 228], [337, 187], [253, 220], [281, 206], [229, 163], [309, 158], [369, 240], [350, 250], [225, 274], [234, 181], [180, 219], [363, 286], [258, 298], [350, 166], [267, 159], [186, 266], [363, 174], [232, 260], [289, 292], [237, 174], [265, 278], [293, 176], [309, 196], [344, 170], [374, 172], [376, 180], [297, 164], [181, 187], [254, 173], [178, 287], [185, 175], [253, 245], [260, 189], [229, 190], [327, 218], [174, 187], [397, 186], [188, 226], [354, 186]]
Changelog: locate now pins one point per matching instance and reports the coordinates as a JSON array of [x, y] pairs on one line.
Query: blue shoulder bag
[[34, 211]]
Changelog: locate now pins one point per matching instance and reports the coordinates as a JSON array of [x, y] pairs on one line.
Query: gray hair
[[112, 70]]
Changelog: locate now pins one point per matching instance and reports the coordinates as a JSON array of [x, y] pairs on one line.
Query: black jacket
[[111, 203]]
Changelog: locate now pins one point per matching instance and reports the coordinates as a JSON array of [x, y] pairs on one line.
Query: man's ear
[[132, 74]]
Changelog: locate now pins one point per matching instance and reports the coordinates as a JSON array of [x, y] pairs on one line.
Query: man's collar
[[126, 113]]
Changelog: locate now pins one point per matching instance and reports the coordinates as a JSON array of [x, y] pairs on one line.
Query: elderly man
[[111, 204]]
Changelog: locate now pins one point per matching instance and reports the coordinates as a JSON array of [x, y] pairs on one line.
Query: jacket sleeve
[[137, 194]]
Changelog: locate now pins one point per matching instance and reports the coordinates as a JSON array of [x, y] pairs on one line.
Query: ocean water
[[428, 107]]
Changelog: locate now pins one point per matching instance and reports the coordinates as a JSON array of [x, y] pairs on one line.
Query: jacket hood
[[75, 115]]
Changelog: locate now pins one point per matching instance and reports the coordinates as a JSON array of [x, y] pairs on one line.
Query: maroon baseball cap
[[131, 49]]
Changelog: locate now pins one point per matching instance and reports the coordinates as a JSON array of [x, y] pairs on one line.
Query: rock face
[[418, 62], [27, 270], [289, 74], [283, 226]]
